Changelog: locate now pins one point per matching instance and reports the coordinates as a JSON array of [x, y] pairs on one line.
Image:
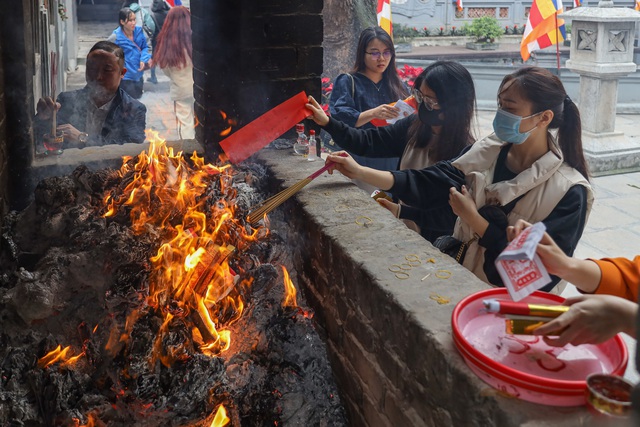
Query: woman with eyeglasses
[[363, 94], [521, 171], [445, 95]]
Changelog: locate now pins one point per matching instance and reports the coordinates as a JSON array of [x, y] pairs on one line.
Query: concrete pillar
[[602, 53]]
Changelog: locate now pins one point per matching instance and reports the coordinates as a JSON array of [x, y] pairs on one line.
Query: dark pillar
[[250, 56]]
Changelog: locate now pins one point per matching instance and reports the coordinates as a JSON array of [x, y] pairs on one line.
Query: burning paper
[[520, 267]]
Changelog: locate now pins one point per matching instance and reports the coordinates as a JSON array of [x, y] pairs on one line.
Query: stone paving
[[613, 228]]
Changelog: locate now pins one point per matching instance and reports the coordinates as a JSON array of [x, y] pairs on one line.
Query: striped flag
[[543, 28], [577, 3], [384, 15], [459, 4]]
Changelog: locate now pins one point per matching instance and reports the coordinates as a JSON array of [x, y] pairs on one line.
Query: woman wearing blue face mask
[[445, 95], [532, 168]]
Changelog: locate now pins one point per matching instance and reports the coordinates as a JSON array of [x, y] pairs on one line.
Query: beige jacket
[[544, 184]]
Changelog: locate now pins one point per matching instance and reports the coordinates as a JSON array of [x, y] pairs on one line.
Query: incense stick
[[54, 71], [273, 202]]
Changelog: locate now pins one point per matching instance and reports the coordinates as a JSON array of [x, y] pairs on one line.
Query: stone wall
[[389, 341], [4, 158], [249, 57], [18, 64]]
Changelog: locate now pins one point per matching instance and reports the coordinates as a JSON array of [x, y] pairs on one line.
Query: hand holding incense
[[273, 202]]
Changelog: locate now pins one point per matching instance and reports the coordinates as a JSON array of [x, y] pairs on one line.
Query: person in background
[[445, 95], [136, 51], [101, 112], [363, 94], [173, 56], [159, 8], [523, 171], [614, 283]]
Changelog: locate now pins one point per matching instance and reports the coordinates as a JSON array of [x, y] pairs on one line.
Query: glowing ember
[[190, 270], [289, 290], [59, 354], [220, 418], [227, 122]]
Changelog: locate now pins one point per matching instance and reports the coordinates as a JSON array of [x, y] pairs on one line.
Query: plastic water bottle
[[313, 148], [301, 146]]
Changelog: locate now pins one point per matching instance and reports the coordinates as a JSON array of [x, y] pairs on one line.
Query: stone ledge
[[320, 221]]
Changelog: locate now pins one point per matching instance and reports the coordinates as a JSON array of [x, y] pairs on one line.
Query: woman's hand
[[592, 319], [319, 116], [142, 65], [394, 208], [385, 112], [462, 203], [343, 163], [46, 106]]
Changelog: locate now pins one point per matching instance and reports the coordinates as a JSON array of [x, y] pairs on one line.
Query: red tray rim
[[528, 381]]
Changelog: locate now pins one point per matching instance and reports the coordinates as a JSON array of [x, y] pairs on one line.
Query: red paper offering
[[269, 126]]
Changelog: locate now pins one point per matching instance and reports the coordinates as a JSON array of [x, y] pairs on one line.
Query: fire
[[191, 279], [227, 122], [220, 418], [59, 354], [289, 290]]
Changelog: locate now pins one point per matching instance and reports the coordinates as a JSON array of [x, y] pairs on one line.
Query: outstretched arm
[[592, 319]]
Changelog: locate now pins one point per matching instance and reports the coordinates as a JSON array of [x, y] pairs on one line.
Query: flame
[[191, 278], [92, 421], [230, 123], [220, 419], [289, 290], [59, 354]]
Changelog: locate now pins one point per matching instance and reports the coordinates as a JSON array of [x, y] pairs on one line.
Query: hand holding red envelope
[[407, 107], [254, 136], [520, 267]]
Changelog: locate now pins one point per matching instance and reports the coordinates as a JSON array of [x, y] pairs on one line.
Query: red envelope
[[269, 126], [409, 100]]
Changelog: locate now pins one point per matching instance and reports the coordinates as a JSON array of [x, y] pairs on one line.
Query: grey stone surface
[[387, 333]]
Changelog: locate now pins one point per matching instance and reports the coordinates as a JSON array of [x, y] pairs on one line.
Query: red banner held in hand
[[269, 126]]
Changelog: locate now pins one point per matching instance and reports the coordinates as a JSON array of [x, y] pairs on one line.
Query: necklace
[[378, 85]]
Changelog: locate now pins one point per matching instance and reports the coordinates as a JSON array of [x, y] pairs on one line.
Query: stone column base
[[610, 153]]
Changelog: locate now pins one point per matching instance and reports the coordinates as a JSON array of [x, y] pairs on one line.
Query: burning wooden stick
[[198, 280], [273, 202]]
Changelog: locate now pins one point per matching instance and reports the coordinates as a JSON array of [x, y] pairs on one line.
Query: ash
[[70, 277]]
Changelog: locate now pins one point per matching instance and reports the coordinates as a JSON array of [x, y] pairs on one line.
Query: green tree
[[485, 29]]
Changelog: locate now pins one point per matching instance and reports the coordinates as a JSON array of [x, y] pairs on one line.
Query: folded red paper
[[269, 126]]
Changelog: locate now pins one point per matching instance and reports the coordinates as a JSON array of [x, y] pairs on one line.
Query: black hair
[[123, 15], [546, 92], [390, 76], [110, 47], [456, 95]]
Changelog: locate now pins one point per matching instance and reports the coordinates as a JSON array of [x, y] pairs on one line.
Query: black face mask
[[429, 118]]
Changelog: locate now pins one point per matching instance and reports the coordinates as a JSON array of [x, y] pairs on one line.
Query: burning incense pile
[[141, 297]]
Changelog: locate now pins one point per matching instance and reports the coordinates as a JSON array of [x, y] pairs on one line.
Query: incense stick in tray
[[274, 201]]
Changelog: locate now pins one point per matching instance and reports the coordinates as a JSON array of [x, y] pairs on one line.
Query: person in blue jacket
[[136, 52]]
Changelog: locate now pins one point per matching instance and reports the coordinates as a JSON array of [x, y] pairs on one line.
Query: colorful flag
[[577, 3], [459, 4], [543, 28], [638, 5], [384, 15]]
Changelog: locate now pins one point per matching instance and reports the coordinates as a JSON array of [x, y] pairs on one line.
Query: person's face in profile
[[103, 74]]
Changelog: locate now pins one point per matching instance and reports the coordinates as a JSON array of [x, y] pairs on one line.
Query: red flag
[[269, 126], [543, 28]]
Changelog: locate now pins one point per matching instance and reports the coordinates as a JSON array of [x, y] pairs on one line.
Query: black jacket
[[125, 121], [160, 8]]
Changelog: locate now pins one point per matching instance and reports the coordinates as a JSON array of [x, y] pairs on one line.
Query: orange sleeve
[[620, 277]]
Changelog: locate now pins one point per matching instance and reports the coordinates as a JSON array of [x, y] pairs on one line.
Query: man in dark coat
[[100, 113]]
